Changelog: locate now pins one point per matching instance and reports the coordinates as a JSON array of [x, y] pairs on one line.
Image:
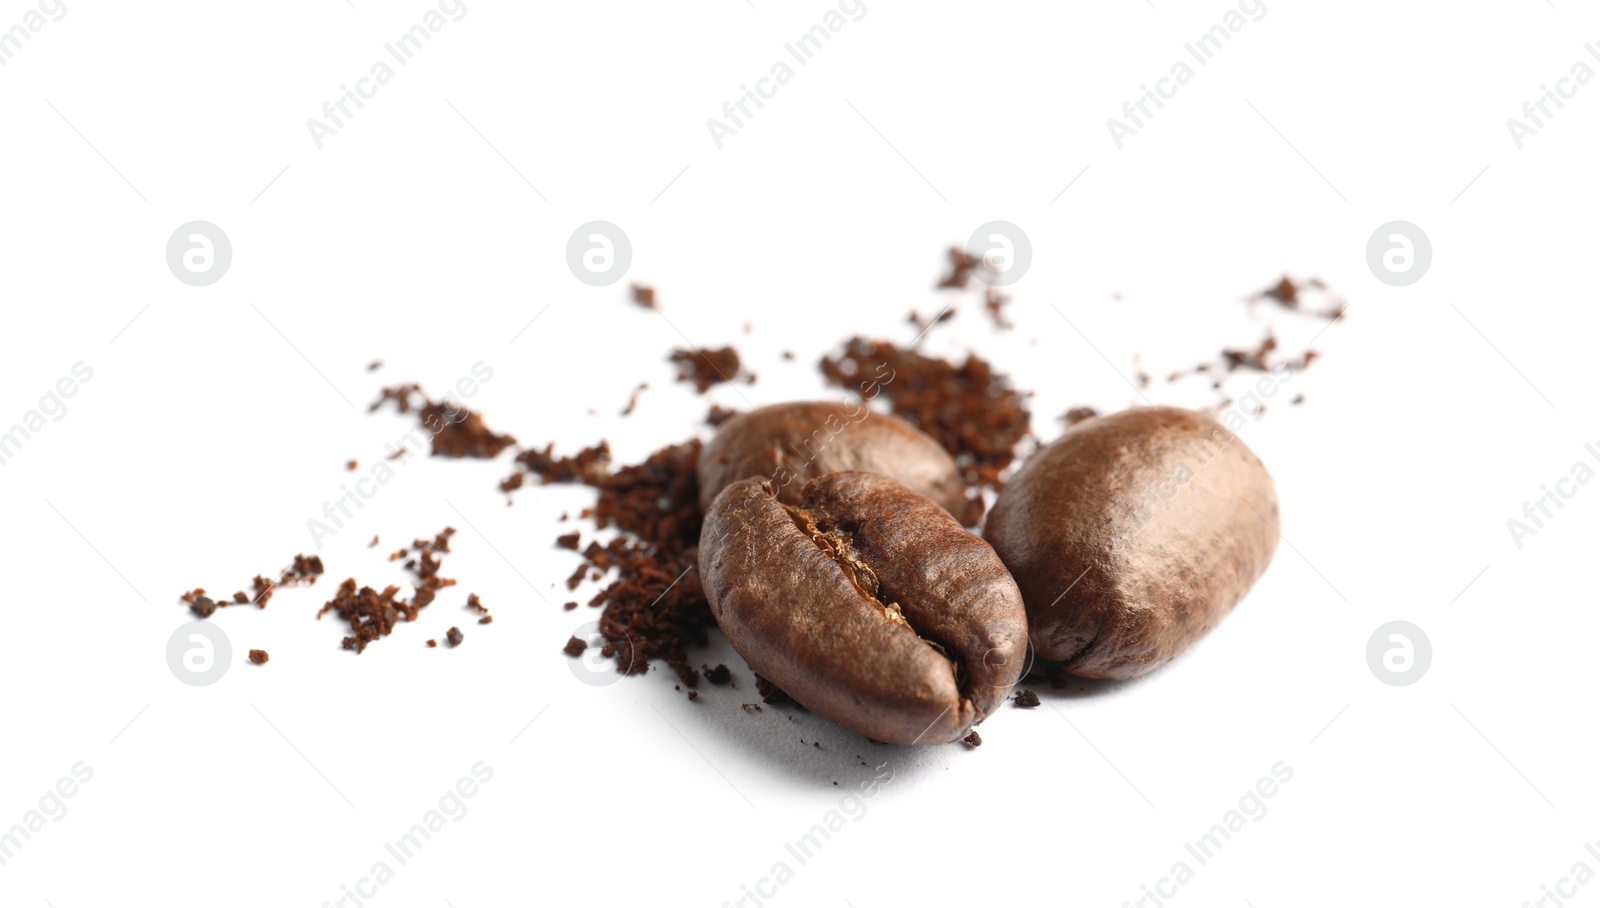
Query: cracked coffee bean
[[867, 603], [788, 444], [1132, 536]]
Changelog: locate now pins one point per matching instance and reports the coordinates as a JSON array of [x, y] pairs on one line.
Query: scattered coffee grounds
[[1078, 414], [705, 368], [575, 647], [994, 302], [644, 296], [372, 614], [1297, 400], [399, 453], [633, 399], [433, 643], [455, 636], [718, 414], [973, 740], [1252, 359], [1290, 295], [486, 619], [770, 693], [569, 606], [717, 676], [569, 540], [589, 466], [969, 409], [351, 465], [694, 695], [787, 356], [375, 365], [476, 604], [373, 544], [961, 267], [750, 707], [258, 656], [457, 431], [577, 577], [302, 572], [1026, 699]]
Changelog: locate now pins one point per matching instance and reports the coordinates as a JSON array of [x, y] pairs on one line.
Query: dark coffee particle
[[486, 619], [973, 740], [1078, 414], [375, 365], [694, 695], [969, 409], [432, 643], [994, 302], [961, 266], [717, 676], [371, 614], [1026, 699], [455, 636], [770, 693], [644, 296], [575, 647], [258, 656], [569, 540], [373, 544], [351, 465], [569, 606], [705, 368], [457, 431], [633, 399], [718, 414]]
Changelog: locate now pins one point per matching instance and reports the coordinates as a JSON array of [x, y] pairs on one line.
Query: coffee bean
[[788, 444], [867, 603], [1133, 535]]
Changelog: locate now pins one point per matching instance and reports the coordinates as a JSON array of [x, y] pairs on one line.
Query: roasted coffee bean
[[1133, 535], [788, 444], [867, 603]]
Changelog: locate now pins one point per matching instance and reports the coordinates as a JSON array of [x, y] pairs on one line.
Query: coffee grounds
[[771, 694], [653, 609], [432, 643], [961, 268], [1290, 295], [717, 676], [352, 465], [633, 399], [973, 740], [970, 409], [575, 647], [718, 414], [302, 572], [589, 466], [644, 296], [705, 368], [372, 614], [1078, 414], [1026, 699], [922, 325], [457, 431], [994, 302], [455, 636], [569, 540], [258, 656]]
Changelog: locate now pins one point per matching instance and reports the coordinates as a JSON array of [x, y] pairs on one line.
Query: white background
[[431, 229]]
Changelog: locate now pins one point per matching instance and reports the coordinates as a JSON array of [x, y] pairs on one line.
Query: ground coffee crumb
[[433, 643], [575, 647], [644, 296], [694, 695], [973, 740], [970, 409], [633, 399], [569, 540], [1078, 414], [569, 606], [258, 656], [961, 268], [718, 414], [717, 676], [705, 368], [455, 636], [770, 693], [456, 431], [1027, 699]]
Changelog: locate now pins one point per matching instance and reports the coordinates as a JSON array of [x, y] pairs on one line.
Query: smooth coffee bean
[[1132, 536], [788, 444], [867, 603]]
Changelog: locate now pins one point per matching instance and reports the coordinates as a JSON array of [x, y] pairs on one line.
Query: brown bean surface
[[867, 603], [788, 444], [1132, 536]]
